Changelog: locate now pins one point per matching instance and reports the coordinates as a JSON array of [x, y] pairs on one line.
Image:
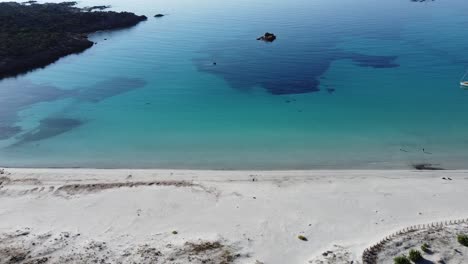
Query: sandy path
[[257, 215]]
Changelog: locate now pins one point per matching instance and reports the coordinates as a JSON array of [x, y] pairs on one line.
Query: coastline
[[256, 214], [48, 41]]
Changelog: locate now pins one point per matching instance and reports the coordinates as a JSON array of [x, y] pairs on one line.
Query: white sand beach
[[186, 216]]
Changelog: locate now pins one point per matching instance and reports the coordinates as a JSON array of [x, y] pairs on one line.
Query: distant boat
[[463, 82]]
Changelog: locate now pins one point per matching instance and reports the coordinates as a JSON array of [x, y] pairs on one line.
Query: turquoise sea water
[[347, 84]]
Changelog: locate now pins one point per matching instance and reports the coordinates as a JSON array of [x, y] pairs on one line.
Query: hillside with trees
[[34, 35]]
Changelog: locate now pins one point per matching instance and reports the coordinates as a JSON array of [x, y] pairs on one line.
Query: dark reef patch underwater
[[279, 72], [47, 128], [16, 96], [305, 49]]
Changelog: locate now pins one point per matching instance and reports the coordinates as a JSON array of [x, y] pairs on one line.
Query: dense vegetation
[[401, 260], [415, 255], [463, 239], [426, 248], [33, 35]]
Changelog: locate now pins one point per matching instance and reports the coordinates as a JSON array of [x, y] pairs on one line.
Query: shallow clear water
[[347, 84]]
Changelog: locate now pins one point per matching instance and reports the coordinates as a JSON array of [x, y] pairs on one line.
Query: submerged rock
[[268, 37]]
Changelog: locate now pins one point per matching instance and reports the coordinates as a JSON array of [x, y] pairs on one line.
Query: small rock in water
[[331, 90], [158, 15], [268, 37]]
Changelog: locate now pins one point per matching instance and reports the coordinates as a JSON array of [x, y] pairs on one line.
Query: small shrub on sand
[[415, 255], [301, 237], [463, 239], [401, 260], [425, 248]]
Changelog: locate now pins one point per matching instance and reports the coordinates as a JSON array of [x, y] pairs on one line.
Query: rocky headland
[[34, 35]]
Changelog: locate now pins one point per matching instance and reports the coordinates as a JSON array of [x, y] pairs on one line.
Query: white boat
[[463, 82]]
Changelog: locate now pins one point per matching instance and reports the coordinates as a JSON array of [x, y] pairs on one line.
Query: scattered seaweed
[[94, 187], [204, 246], [426, 166]]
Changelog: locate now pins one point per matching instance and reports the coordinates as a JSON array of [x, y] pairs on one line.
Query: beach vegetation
[[415, 255], [463, 239], [425, 248], [401, 260]]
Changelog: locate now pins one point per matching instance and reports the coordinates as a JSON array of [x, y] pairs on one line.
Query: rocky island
[[268, 37], [34, 35]]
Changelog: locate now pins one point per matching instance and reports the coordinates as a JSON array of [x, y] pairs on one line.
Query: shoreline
[[256, 214], [416, 167], [52, 41]]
